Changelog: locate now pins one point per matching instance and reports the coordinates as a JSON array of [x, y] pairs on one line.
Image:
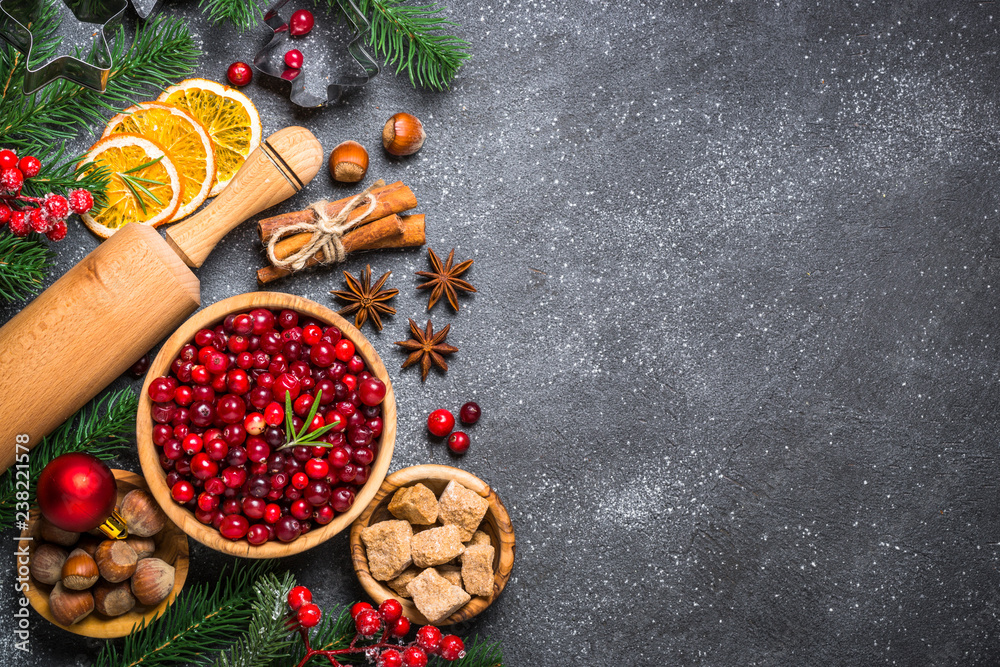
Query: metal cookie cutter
[[16, 19], [270, 59], [145, 7]]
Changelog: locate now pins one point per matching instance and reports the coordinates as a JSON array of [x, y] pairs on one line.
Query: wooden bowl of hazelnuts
[[103, 588]]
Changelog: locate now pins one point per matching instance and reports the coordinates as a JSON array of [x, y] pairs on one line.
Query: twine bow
[[326, 231]]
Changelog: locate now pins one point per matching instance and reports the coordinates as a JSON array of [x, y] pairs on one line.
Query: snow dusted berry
[[4, 214], [19, 223], [57, 232], [414, 657], [452, 648], [429, 638], [29, 166], [39, 221], [8, 159], [56, 207], [368, 622], [81, 201], [11, 180]]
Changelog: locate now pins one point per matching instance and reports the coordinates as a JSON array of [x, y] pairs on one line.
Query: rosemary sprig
[[304, 436], [137, 184]]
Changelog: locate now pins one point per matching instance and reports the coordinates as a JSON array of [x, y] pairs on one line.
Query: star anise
[[366, 300], [444, 279], [427, 347]]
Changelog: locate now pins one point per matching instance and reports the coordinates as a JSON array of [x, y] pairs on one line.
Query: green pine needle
[[103, 428], [205, 619], [244, 14], [23, 266], [267, 638]]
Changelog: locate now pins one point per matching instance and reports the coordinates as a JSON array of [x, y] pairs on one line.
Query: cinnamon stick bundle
[[391, 231]]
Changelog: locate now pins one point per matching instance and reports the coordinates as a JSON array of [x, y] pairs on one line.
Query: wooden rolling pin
[[128, 294]]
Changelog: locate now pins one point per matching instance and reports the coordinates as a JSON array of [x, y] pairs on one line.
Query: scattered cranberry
[[470, 413], [440, 423], [293, 59], [140, 367], [239, 74], [452, 648], [458, 442], [301, 23]]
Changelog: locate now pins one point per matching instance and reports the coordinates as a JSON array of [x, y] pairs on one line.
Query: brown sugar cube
[[463, 508], [479, 538], [435, 596], [452, 573], [436, 546], [477, 570], [388, 545], [399, 583], [415, 504]]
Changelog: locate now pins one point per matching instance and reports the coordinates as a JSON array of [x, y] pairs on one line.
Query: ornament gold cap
[[114, 526]]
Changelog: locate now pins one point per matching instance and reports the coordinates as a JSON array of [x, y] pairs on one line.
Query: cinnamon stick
[[392, 231], [392, 198]]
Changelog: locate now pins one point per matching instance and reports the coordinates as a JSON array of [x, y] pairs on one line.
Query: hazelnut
[[348, 162], [153, 580], [79, 572], [47, 563], [143, 547], [53, 533], [141, 513], [113, 599], [403, 134], [116, 560], [69, 606]]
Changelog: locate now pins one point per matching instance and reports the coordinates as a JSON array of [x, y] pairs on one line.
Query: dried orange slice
[[144, 187], [186, 140], [230, 118]]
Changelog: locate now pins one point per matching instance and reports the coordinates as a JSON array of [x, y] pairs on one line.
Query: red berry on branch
[[459, 442], [390, 658], [19, 223], [429, 638], [452, 648], [56, 207], [440, 422], [359, 607], [29, 166], [367, 622], [11, 180], [299, 596], [4, 214], [8, 159], [308, 615], [301, 23], [239, 74], [401, 628], [39, 221], [81, 201], [294, 59], [414, 657], [390, 611], [57, 232]]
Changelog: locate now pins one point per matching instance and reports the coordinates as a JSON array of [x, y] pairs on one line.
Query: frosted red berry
[[57, 207], [29, 166], [57, 232], [390, 658], [440, 422], [367, 622], [458, 442], [429, 638], [19, 224], [390, 611], [11, 180], [239, 74], [414, 657], [80, 201], [38, 221], [299, 596], [401, 627], [5, 212], [452, 648], [301, 23], [294, 59], [8, 159], [359, 607], [308, 615], [470, 413]]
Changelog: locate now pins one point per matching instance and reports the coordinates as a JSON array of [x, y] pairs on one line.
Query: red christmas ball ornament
[[239, 74], [294, 59], [301, 23], [77, 492]]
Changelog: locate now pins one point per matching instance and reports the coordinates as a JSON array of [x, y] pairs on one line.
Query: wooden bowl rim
[[96, 625], [379, 592], [149, 458]]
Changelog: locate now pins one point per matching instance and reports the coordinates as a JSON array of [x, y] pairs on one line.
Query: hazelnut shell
[[143, 547], [113, 599], [153, 580], [69, 606], [80, 571], [47, 562], [403, 134], [348, 162], [116, 560], [53, 533], [142, 514]]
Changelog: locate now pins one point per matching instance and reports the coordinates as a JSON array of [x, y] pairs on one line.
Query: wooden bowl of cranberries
[[266, 425]]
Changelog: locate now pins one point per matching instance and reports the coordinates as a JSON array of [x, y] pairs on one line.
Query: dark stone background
[[735, 334]]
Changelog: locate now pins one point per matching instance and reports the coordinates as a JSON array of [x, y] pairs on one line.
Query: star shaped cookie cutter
[[16, 18], [269, 60]]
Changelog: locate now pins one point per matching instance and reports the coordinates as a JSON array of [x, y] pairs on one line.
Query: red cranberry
[[458, 442], [173, 450], [361, 475], [300, 509], [287, 528], [339, 457], [234, 527], [440, 423], [288, 319], [217, 449], [238, 382], [162, 389], [316, 493], [234, 477], [355, 365], [272, 513], [286, 384], [371, 391], [342, 498], [300, 24], [260, 397], [254, 423], [344, 350], [231, 409], [470, 413], [351, 382], [263, 320], [163, 413], [182, 491], [375, 425], [363, 456], [323, 515], [238, 344], [183, 395], [203, 393], [244, 360], [207, 502], [302, 404], [257, 534], [161, 433]]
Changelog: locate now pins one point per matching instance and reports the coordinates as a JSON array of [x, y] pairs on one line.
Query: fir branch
[[477, 654], [335, 631], [267, 638], [414, 39], [205, 618], [103, 429], [243, 14], [23, 266]]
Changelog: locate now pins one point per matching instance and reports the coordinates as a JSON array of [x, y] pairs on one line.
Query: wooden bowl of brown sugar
[[496, 524]]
